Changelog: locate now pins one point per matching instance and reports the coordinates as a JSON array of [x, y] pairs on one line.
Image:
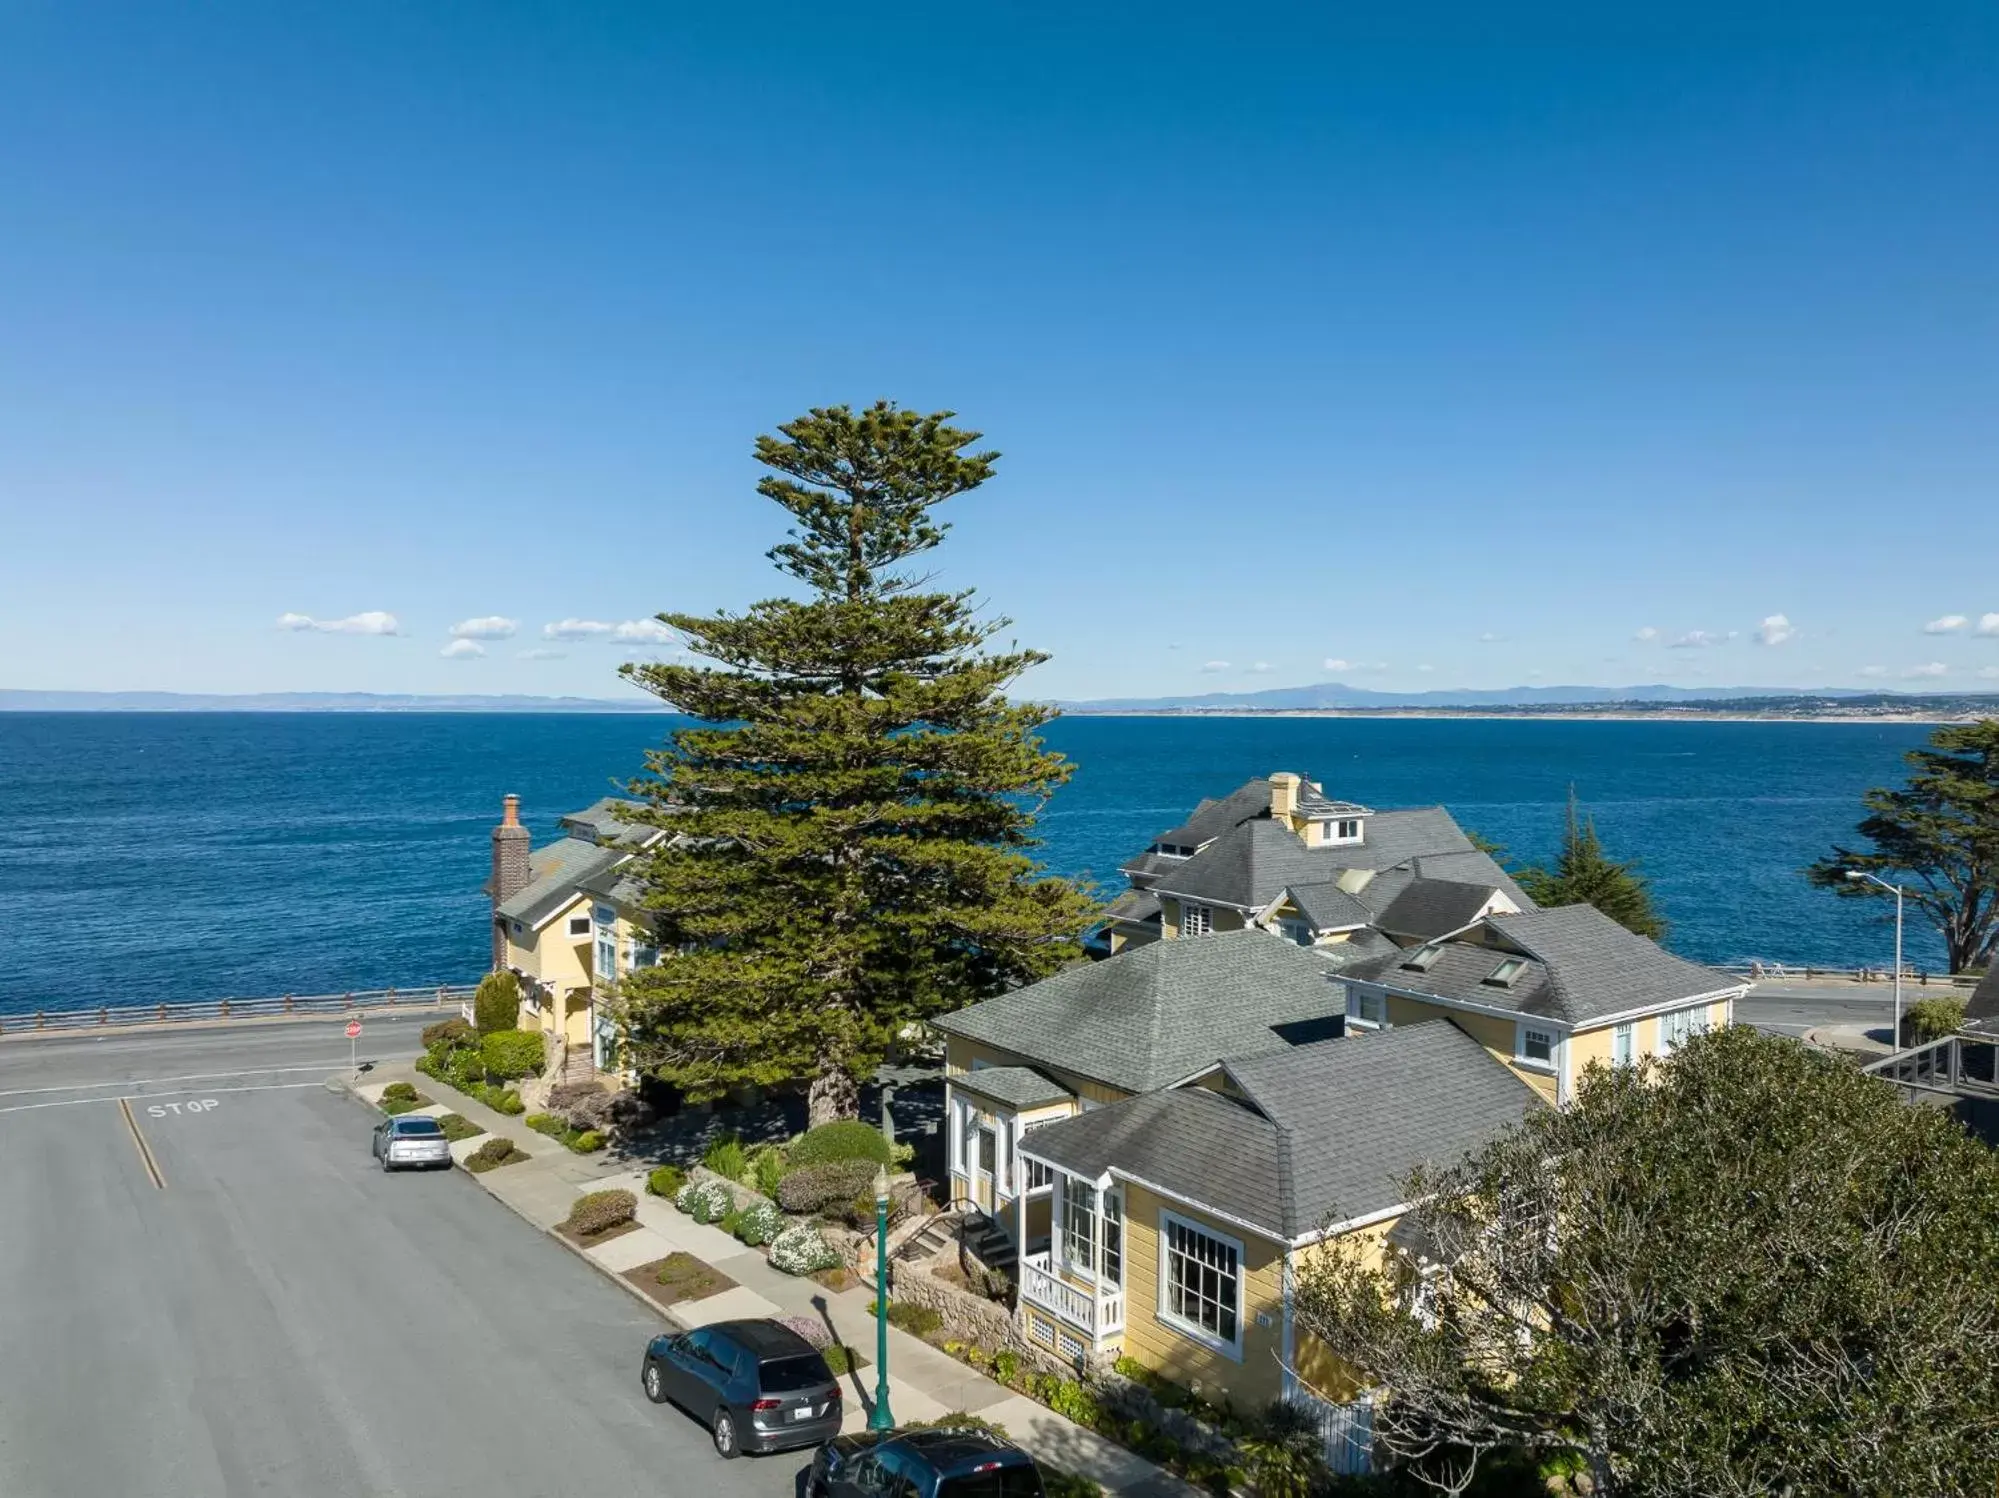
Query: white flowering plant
[[802, 1249], [705, 1201]]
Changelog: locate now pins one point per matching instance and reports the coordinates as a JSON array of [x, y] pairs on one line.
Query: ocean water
[[166, 857]]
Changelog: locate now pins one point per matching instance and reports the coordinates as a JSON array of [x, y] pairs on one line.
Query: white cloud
[[1262, 666], [1989, 673], [1489, 638], [577, 629], [1934, 668], [629, 632], [1698, 639], [643, 632], [1872, 671], [1775, 630], [492, 627], [540, 653], [374, 622], [1212, 666], [462, 650], [1646, 632], [1426, 669], [1334, 663], [1949, 624], [1988, 624]]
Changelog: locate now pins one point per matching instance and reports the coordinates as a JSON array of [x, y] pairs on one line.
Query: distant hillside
[[307, 702], [1332, 696]]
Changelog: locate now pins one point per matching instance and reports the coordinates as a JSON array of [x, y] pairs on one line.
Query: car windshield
[[1022, 1481], [417, 1126], [790, 1375]]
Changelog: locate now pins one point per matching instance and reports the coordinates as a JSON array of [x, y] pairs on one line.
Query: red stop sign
[[353, 1029]]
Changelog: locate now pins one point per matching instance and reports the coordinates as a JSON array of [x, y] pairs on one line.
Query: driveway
[[261, 1311]]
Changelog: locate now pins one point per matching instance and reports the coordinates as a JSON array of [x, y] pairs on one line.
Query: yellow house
[[566, 923], [1546, 992], [1182, 1216], [1280, 854]]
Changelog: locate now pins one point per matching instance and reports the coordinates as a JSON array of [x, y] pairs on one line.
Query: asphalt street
[[276, 1316], [1792, 1009]]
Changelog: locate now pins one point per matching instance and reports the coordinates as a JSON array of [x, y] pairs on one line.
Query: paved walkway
[[923, 1382]]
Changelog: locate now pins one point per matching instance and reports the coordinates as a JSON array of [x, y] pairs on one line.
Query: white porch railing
[[1097, 1314]]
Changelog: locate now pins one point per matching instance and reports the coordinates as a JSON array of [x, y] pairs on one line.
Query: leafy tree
[[856, 804], [1750, 1269], [1938, 837], [496, 1003], [1586, 875]]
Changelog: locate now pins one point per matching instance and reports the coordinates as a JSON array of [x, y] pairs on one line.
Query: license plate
[[804, 1412]]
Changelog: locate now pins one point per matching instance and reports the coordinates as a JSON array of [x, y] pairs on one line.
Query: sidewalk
[[923, 1382]]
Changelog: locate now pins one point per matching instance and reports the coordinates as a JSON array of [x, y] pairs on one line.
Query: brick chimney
[[1284, 798], [511, 871]]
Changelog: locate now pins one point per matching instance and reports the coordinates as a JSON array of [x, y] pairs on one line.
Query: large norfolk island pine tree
[[856, 804]]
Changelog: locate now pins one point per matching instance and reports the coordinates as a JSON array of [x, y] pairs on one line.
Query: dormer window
[[1504, 975], [1340, 830], [1419, 961]]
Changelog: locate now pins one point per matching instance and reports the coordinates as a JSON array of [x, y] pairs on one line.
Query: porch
[[1072, 1293]]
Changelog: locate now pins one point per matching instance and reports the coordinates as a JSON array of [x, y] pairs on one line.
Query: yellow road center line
[[145, 1150]]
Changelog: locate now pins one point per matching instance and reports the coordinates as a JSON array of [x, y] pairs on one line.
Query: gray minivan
[[758, 1385]]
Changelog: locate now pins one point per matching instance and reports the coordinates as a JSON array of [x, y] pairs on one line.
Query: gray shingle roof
[[1329, 1128], [600, 822], [1191, 1142], [1356, 1116], [1134, 905], [1016, 1086], [1581, 966], [1328, 907], [1214, 817], [1429, 908], [559, 870], [1314, 802], [1155, 1014], [1250, 864]]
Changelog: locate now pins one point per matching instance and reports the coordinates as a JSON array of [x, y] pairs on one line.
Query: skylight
[[1504, 975], [1419, 960]]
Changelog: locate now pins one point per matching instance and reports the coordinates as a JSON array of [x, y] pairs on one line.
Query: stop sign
[[353, 1029]]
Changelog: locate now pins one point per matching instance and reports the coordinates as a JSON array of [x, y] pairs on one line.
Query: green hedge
[[666, 1181], [849, 1139], [817, 1187], [511, 1054], [496, 1004], [448, 1035], [399, 1092]]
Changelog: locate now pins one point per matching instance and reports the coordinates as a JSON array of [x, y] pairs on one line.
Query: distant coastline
[[19, 701], [1664, 712]]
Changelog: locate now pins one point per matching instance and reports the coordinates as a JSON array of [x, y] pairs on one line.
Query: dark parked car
[[953, 1463], [411, 1140], [760, 1386]]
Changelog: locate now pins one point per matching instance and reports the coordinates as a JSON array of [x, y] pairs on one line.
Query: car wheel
[[386, 1167], [654, 1382], [725, 1436]]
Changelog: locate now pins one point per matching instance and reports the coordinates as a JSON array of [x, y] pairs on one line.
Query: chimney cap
[[512, 804]]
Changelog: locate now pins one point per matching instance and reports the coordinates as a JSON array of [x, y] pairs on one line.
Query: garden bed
[[591, 1240], [678, 1277]]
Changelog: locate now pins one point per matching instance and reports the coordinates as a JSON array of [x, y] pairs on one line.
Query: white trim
[[1192, 1331], [1288, 1362], [1267, 1234], [1557, 1047], [1334, 1230], [1594, 1022]]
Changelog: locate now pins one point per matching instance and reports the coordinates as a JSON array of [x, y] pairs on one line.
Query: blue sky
[[1478, 346]]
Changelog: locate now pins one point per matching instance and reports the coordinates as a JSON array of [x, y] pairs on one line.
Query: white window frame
[[1192, 1330], [1197, 920], [1553, 1065], [1624, 1045], [1357, 1001], [579, 925], [1681, 1026], [1349, 830]]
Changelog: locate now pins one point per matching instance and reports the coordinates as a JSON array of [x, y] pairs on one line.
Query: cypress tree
[[1586, 875], [855, 806]]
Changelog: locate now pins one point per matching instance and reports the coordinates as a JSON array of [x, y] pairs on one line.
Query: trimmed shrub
[[466, 1070], [705, 1201], [1933, 1018], [502, 1100], [757, 1224], [584, 1141], [800, 1249], [497, 1151], [399, 1092], [918, 1321], [726, 1158], [511, 1054], [395, 1107], [666, 1181], [496, 1003], [816, 1187], [431, 1067], [600, 1211], [456, 1127], [547, 1123], [766, 1169], [848, 1139], [448, 1035]]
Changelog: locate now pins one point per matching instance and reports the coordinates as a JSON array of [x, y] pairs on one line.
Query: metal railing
[[1788, 972], [1953, 1066], [105, 1016]]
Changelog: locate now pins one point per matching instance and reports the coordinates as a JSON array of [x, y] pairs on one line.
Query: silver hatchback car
[[411, 1141]]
